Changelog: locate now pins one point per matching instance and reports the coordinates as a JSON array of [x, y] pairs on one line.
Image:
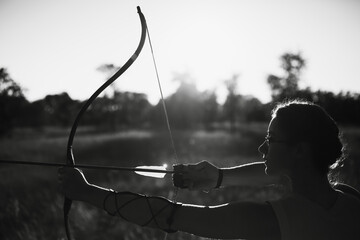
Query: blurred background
[[223, 67]]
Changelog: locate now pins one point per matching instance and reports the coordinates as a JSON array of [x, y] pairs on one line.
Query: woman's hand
[[199, 176], [73, 183]]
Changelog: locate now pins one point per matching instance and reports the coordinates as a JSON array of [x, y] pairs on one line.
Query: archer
[[302, 142]]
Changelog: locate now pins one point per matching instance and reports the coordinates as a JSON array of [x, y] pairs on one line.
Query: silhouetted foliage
[[122, 109], [8, 87], [58, 109], [187, 107], [53, 110], [255, 111], [343, 107], [231, 104], [210, 109], [287, 85], [12, 103], [36, 114]]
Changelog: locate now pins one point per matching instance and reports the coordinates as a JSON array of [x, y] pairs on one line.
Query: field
[[31, 206]]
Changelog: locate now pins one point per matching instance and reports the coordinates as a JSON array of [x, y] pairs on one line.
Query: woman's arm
[[245, 220], [252, 174], [206, 176], [229, 221]]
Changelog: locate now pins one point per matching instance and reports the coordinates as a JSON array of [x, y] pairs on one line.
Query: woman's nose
[[263, 148]]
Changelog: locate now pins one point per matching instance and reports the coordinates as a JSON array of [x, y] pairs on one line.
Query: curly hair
[[304, 121]]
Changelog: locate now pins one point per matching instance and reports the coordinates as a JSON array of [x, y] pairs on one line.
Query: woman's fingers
[[178, 180], [191, 176]]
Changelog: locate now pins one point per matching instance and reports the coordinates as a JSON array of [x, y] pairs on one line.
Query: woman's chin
[[269, 170]]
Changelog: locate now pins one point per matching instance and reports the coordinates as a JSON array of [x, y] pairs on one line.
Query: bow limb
[[70, 161]]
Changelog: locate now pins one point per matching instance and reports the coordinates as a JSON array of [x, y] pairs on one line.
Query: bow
[[70, 161]]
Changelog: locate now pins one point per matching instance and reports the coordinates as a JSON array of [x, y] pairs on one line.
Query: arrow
[[150, 171]]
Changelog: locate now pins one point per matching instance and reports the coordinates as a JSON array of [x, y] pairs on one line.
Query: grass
[[32, 207]]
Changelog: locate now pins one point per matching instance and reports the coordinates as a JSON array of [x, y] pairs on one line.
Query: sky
[[50, 47]]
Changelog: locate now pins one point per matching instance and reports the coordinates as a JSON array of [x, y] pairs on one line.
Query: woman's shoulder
[[299, 216], [300, 208]]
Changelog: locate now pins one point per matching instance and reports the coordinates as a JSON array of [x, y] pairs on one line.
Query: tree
[[185, 106], [8, 87], [231, 104], [59, 109], [131, 108], [254, 111], [122, 109], [287, 85], [12, 101], [109, 69], [210, 108]]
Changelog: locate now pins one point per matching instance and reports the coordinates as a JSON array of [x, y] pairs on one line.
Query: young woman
[[302, 142]]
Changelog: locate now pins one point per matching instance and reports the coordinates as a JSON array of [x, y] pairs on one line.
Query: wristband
[[155, 213], [220, 178]]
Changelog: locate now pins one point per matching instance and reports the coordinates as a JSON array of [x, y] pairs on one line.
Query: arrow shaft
[[115, 168]]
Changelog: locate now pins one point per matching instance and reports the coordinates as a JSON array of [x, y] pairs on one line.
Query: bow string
[[174, 198]]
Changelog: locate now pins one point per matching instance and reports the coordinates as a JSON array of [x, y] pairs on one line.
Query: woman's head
[[305, 122]]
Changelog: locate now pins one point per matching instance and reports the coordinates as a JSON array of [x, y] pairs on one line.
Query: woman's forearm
[[237, 220], [252, 174], [157, 212], [150, 211], [205, 176]]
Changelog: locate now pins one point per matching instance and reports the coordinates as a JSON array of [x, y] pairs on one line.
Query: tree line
[[187, 107]]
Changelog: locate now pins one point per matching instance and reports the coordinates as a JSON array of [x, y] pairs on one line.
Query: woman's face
[[276, 151]]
